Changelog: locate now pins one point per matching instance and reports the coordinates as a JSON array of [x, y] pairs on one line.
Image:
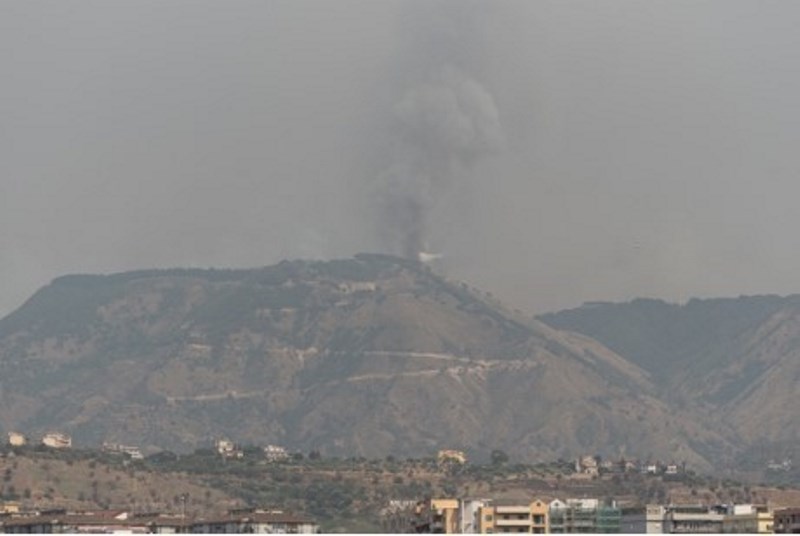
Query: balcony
[[500, 522], [524, 510]]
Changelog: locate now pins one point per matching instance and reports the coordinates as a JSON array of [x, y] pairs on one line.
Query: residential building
[[748, 519], [785, 465], [508, 518], [469, 515], [584, 516], [693, 519], [654, 518], [228, 449], [628, 466], [444, 516], [102, 522], [540, 517], [587, 465], [556, 510], [57, 440], [157, 523], [256, 522], [275, 453], [608, 519], [224, 445], [633, 521], [607, 466], [16, 439], [579, 517], [120, 522], [451, 456], [787, 521], [9, 507], [404, 516], [134, 452]]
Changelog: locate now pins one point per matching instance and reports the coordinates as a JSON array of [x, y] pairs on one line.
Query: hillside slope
[[733, 364], [373, 355]]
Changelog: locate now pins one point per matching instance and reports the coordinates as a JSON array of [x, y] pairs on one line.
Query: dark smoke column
[[440, 126]]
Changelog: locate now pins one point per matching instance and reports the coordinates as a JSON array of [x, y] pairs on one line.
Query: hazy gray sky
[[561, 151]]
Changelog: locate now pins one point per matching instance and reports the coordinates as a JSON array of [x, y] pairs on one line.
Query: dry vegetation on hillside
[[341, 494]]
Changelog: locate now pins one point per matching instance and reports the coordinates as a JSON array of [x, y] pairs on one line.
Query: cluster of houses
[[783, 465], [585, 515], [116, 448], [224, 447], [59, 440], [591, 465], [594, 466], [228, 449], [242, 521], [55, 440]]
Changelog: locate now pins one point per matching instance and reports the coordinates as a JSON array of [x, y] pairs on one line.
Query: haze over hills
[[732, 363], [371, 356]]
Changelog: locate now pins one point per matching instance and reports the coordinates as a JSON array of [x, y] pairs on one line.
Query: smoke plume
[[444, 121]]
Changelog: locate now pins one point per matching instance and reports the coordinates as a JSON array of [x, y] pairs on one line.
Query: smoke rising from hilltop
[[443, 123], [555, 152]]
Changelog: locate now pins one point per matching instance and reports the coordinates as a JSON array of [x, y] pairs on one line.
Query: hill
[[370, 356], [87, 480], [731, 363]]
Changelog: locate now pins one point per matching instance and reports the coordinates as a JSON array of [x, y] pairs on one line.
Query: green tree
[[499, 457]]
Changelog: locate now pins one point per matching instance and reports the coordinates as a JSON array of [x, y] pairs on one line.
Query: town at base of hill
[[73, 488]]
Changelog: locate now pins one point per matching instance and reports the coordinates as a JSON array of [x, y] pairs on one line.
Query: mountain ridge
[[734, 362], [372, 355]]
